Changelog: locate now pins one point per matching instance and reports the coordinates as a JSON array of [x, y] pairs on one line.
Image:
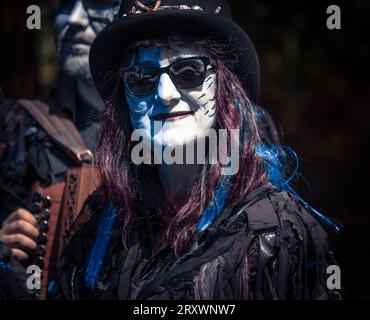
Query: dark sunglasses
[[187, 73]]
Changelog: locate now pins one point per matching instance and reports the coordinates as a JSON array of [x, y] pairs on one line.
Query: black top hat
[[140, 19]]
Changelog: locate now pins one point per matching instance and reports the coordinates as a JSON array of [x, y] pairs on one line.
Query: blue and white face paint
[[172, 117], [76, 25]]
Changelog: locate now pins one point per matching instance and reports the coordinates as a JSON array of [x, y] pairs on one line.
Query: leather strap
[[67, 197], [80, 183], [59, 127]]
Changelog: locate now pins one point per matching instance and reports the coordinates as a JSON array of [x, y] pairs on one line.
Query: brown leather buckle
[[85, 156]]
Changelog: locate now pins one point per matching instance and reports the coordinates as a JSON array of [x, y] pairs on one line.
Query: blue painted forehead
[[147, 54]]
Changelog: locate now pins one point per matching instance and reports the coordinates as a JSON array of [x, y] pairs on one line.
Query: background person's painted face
[[166, 101], [77, 23]]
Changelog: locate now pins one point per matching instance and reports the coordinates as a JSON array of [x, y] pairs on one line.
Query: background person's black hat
[[142, 19]]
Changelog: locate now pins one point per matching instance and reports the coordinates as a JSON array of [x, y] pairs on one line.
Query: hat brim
[[112, 43]]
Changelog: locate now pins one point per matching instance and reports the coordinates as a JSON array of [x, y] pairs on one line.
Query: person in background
[[37, 152]]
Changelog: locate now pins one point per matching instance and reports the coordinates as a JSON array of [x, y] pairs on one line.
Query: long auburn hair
[[131, 188]]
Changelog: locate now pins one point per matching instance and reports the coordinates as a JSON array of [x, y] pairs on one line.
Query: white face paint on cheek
[[169, 99], [204, 102], [207, 110]]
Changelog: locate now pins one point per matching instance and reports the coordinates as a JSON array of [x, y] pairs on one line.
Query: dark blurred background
[[315, 83]]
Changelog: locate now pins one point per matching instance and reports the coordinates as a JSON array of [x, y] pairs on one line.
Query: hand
[[19, 232]]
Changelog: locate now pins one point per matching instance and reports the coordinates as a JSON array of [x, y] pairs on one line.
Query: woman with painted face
[[175, 78]]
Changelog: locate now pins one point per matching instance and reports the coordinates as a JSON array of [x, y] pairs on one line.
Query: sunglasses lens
[[185, 74], [141, 80], [188, 73]]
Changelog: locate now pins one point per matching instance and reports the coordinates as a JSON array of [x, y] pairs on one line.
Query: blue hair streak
[[217, 203], [276, 163], [100, 246], [4, 266], [223, 186]]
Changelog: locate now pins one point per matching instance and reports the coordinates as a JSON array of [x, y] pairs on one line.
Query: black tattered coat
[[268, 247]]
